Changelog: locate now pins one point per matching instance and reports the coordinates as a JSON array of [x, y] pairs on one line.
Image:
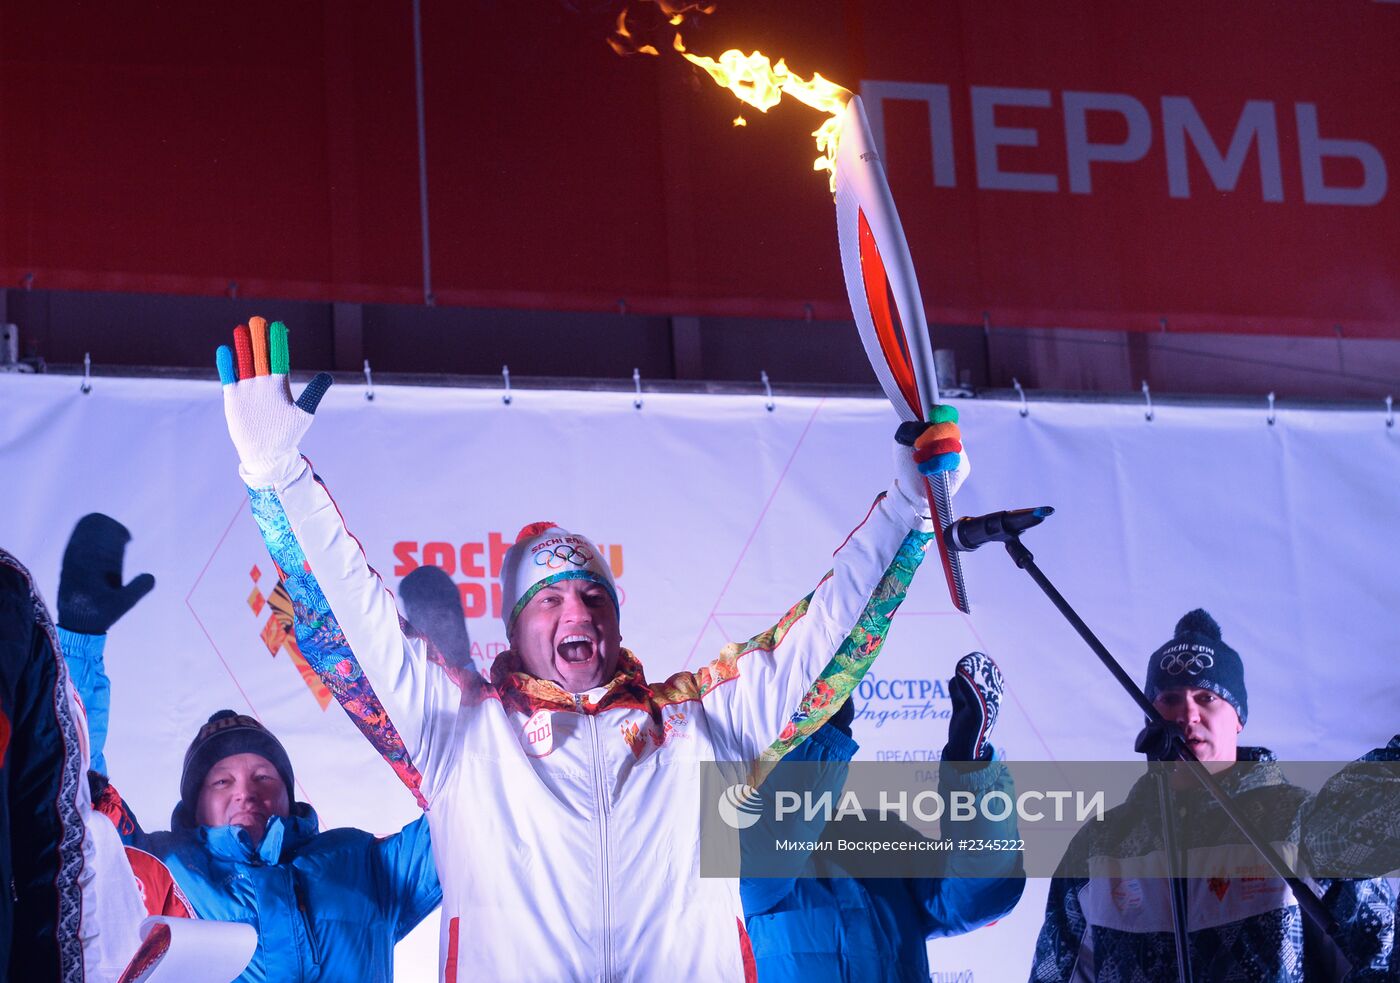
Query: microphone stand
[[1162, 746], [1168, 740]]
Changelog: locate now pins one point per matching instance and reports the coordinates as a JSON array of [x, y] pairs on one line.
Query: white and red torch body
[[885, 300]]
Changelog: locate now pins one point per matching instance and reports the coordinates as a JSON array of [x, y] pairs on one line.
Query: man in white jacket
[[563, 793]]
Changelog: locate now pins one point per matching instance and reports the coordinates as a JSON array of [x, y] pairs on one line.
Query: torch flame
[[623, 43], [753, 78], [756, 80]]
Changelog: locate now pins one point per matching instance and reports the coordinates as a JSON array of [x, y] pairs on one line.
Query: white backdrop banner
[[717, 515]]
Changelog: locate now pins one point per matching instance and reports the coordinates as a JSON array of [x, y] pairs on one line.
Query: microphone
[[966, 535]]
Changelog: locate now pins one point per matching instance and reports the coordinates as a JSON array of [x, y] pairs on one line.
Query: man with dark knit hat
[[328, 906], [1196, 681], [1241, 926], [235, 774]]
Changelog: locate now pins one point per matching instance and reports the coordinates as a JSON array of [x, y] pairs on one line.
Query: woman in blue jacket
[[328, 906]]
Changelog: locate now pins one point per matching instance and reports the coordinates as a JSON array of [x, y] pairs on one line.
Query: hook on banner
[[505, 377], [637, 385], [1147, 395], [767, 389], [1025, 407], [1271, 416], [369, 383], [1389, 412], [86, 387]]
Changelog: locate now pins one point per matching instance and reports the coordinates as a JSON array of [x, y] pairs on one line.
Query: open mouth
[[576, 650]]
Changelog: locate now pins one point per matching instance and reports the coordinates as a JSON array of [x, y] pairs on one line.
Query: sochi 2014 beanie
[[545, 554], [227, 733], [1197, 657]]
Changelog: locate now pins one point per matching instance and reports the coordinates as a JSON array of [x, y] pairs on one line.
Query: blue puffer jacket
[[824, 925], [328, 906]]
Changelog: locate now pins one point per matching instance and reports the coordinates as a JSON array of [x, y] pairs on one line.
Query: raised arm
[[347, 624], [771, 692], [91, 599], [982, 884]]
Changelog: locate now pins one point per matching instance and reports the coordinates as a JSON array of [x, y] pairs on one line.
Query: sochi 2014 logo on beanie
[[1187, 658], [545, 553], [1197, 657]]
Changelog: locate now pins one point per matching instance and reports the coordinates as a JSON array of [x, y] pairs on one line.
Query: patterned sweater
[[1105, 921]]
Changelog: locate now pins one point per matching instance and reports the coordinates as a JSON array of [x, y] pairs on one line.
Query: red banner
[[1205, 166]]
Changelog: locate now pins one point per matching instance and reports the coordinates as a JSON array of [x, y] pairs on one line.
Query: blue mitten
[[975, 690]]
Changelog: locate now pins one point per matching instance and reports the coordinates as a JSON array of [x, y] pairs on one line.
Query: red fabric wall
[[167, 147]]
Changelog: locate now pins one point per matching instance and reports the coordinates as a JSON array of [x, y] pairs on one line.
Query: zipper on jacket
[[305, 913], [600, 793]]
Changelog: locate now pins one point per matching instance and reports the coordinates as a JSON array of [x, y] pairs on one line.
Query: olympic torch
[[880, 281], [885, 300]]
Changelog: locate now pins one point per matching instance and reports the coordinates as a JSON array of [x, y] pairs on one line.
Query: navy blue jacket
[[41, 831], [820, 924]]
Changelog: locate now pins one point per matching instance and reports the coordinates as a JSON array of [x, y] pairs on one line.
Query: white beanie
[[545, 554]]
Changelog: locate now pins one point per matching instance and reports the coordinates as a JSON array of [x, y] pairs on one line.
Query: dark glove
[[91, 597], [97, 784], [975, 690], [1160, 742], [433, 606]]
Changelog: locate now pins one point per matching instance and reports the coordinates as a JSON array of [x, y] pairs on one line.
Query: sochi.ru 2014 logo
[[740, 806]]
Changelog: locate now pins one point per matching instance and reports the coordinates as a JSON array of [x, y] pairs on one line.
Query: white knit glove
[[923, 450], [265, 424]]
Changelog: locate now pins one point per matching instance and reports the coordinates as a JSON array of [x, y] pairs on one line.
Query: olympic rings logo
[[1177, 663], [562, 556]]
